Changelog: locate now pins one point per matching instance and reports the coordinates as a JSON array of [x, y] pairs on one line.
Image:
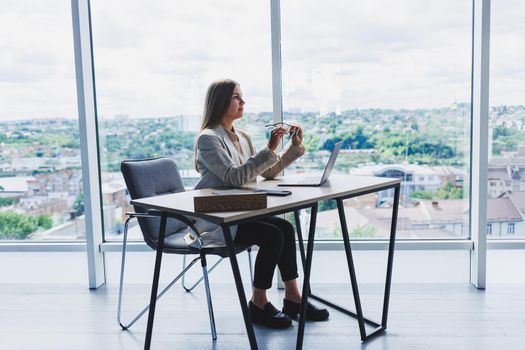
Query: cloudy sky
[[156, 58]]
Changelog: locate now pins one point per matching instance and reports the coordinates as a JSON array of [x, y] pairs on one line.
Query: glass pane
[[40, 177], [392, 81], [154, 61], [506, 172]]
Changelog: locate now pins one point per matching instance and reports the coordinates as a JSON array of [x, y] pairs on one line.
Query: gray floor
[[431, 316]]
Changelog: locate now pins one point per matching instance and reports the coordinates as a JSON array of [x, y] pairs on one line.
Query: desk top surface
[[337, 186]]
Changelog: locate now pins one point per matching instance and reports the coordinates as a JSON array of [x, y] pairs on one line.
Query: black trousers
[[275, 238]]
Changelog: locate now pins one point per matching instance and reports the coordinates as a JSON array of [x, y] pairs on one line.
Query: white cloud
[[380, 53], [180, 48], [37, 77], [156, 58]]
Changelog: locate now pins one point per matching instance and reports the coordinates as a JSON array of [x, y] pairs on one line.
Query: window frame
[[95, 246]]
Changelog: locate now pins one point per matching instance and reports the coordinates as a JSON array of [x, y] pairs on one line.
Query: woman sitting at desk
[[225, 156]]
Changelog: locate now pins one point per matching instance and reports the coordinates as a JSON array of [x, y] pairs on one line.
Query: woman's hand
[[297, 139], [275, 137]]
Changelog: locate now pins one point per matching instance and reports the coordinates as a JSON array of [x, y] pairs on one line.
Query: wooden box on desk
[[230, 202]]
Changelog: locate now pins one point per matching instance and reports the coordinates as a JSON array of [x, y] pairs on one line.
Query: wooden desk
[[339, 187]]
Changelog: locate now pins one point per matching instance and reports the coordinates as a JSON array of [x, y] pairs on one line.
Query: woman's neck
[[227, 124]]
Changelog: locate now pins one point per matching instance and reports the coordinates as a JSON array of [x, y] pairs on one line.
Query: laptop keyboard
[[310, 181]]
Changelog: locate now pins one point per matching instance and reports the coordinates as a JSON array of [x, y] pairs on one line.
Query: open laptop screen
[[331, 161]]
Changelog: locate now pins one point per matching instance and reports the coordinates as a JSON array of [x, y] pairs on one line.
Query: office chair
[[154, 177]]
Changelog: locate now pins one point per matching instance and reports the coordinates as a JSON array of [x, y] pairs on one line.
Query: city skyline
[[44, 160], [7, 119]]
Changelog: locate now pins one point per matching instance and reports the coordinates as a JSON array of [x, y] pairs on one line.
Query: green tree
[[449, 191], [504, 139], [19, 226], [422, 195], [327, 205], [7, 201], [44, 221], [311, 142], [79, 204], [358, 140], [363, 231]]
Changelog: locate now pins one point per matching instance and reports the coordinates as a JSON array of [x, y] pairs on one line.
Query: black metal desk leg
[[391, 247], [240, 288], [299, 235], [306, 283], [155, 283], [351, 268]]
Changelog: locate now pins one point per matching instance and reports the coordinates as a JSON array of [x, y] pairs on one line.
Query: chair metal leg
[[208, 296], [200, 279], [250, 266], [122, 264], [189, 289], [204, 278], [183, 267], [121, 285]]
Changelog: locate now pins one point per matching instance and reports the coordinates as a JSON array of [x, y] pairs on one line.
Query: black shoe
[[313, 313], [269, 316]]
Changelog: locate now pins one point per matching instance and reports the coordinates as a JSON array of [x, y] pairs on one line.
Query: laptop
[[316, 180]]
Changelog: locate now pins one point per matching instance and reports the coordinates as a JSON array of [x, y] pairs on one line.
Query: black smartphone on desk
[[270, 192]]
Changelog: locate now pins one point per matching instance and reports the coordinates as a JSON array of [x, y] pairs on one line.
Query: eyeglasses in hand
[[294, 128]]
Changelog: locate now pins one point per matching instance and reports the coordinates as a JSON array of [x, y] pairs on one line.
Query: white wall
[[328, 267], [504, 266]]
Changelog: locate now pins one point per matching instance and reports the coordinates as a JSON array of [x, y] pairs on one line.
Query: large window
[[40, 177], [153, 62], [506, 168], [392, 81]]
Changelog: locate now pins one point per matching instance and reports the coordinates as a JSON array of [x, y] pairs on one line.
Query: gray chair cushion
[[148, 178], [175, 243]]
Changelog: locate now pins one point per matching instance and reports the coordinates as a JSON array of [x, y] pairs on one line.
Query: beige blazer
[[219, 164]]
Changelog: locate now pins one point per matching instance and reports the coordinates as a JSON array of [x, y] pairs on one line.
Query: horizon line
[[126, 116]]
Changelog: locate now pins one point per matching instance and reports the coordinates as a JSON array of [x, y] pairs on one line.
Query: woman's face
[[236, 105]]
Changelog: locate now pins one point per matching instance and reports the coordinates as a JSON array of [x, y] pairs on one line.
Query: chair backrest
[[148, 178]]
